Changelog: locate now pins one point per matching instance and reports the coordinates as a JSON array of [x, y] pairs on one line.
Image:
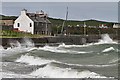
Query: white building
[[116, 26], [34, 23]]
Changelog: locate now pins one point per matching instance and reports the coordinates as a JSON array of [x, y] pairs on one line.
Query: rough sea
[[92, 60]]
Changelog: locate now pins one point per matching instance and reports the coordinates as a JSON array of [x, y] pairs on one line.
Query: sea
[[90, 60]]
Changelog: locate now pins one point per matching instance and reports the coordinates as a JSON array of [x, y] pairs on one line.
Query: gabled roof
[[38, 17]]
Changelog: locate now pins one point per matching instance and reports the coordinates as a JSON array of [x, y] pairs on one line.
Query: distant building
[[103, 26], [34, 23], [6, 24], [92, 26], [116, 26]]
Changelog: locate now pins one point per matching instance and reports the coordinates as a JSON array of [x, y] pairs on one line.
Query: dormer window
[[30, 24]]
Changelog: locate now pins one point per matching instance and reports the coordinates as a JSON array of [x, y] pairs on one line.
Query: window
[[18, 24], [30, 24]]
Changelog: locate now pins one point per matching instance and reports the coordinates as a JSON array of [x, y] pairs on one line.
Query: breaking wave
[[17, 47], [108, 49], [60, 50], [50, 71], [89, 58], [31, 60], [106, 40]]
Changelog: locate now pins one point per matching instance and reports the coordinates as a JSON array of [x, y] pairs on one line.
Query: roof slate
[[38, 18]]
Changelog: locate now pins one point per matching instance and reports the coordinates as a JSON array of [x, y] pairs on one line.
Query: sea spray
[[14, 44], [1, 47], [51, 71], [28, 42], [16, 47], [105, 39]]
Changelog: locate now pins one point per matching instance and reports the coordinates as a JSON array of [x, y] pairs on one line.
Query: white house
[[116, 26], [34, 23]]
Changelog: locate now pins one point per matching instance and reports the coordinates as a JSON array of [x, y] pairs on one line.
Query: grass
[[14, 34]]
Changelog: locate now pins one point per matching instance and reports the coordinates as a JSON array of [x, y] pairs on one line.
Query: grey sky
[[107, 11], [60, 0]]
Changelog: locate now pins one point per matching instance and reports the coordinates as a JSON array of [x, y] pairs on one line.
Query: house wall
[[40, 28], [116, 26], [6, 22], [24, 23]]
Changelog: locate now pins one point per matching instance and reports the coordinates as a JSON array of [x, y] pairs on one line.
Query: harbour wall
[[70, 39]]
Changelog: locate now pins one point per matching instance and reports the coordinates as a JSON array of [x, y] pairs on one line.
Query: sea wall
[[70, 39]]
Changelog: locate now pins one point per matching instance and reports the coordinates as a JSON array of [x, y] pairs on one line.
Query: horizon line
[[71, 19]]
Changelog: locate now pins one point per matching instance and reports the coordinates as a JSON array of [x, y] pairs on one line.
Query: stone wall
[[57, 39]]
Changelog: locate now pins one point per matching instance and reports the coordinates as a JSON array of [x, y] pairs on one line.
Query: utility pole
[[64, 21], [46, 30], [84, 29]]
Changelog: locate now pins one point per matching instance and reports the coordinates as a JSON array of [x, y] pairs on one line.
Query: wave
[[50, 71], [14, 75], [114, 60], [16, 50], [108, 49], [61, 50], [1, 47], [31, 60], [17, 47], [70, 46], [105, 39]]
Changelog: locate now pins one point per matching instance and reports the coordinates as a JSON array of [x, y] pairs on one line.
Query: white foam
[[1, 47], [17, 47], [31, 60], [108, 49], [14, 75], [16, 50], [55, 72], [70, 46], [61, 50], [114, 60], [106, 40], [1, 50], [15, 44], [90, 65], [28, 42]]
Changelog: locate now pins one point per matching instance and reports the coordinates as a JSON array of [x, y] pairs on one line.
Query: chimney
[[23, 12]]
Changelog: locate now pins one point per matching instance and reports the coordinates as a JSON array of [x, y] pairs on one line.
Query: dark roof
[[38, 17]]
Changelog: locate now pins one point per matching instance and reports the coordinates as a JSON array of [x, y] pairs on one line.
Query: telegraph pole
[[84, 29], [46, 29], [64, 22]]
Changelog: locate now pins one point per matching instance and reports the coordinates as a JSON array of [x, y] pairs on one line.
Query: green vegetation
[[7, 17], [58, 22], [72, 28], [14, 34]]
